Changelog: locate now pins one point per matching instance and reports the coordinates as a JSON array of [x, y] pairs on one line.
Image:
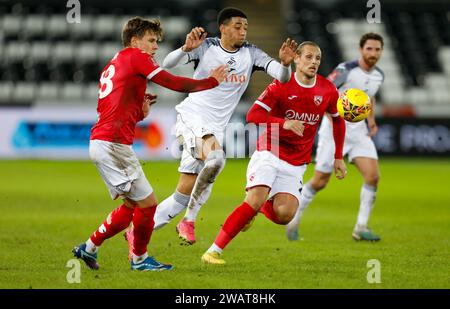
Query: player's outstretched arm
[[185, 84], [179, 56], [282, 71], [339, 136], [258, 115]]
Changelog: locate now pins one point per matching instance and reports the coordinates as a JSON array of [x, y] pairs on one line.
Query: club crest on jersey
[[231, 64], [318, 99], [233, 76]]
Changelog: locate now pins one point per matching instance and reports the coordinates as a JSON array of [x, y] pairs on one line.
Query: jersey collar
[[226, 50], [303, 85]]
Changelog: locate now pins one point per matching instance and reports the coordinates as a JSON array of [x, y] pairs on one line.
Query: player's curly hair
[[226, 14], [138, 26], [370, 36]]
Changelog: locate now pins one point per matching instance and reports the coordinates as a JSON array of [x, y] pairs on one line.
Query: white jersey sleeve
[[175, 58], [340, 73], [196, 54], [260, 59], [263, 62]]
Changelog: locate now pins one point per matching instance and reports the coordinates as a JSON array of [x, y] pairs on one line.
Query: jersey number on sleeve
[[106, 84]]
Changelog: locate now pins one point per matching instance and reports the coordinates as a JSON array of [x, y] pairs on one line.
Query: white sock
[[139, 258], [214, 164], [194, 206], [214, 247], [91, 247], [170, 208], [306, 198], [367, 200]]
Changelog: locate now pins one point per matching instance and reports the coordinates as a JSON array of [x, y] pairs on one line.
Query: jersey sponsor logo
[[309, 118], [292, 97], [234, 78], [318, 99]]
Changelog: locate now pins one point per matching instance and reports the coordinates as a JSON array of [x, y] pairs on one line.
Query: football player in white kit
[[365, 75], [202, 119]]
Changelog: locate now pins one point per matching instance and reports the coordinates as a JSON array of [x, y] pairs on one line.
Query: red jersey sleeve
[[260, 111], [183, 84], [332, 109], [144, 64], [338, 124], [269, 97]]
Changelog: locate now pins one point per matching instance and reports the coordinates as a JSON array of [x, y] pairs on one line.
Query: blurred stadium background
[[49, 68], [49, 71]]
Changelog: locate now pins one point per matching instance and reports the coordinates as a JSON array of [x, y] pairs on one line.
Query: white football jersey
[[350, 75], [215, 106]]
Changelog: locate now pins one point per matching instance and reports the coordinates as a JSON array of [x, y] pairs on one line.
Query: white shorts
[[120, 169], [265, 169], [187, 132], [360, 145]]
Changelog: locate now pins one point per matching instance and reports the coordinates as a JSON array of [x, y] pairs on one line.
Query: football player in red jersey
[[359, 147], [121, 104], [292, 112]]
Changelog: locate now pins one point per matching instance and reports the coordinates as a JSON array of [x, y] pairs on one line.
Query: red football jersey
[[292, 100], [121, 95]]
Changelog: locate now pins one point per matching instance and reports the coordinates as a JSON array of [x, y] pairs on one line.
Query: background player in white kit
[[365, 75], [202, 119]]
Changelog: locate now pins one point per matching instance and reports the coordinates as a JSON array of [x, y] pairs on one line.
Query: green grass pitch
[[48, 207]]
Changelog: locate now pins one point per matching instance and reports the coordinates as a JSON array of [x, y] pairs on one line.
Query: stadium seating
[[416, 59], [44, 59]]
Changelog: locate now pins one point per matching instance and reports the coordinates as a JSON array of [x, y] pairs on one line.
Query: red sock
[[118, 220], [142, 228], [268, 211], [234, 224]]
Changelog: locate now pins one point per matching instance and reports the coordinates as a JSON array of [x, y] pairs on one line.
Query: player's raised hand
[[149, 100], [287, 51], [194, 39], [295, 126], [219, 73], [339, 168]]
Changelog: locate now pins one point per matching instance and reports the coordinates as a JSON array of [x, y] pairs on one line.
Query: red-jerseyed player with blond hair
[[292, 112], [121, 104]]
